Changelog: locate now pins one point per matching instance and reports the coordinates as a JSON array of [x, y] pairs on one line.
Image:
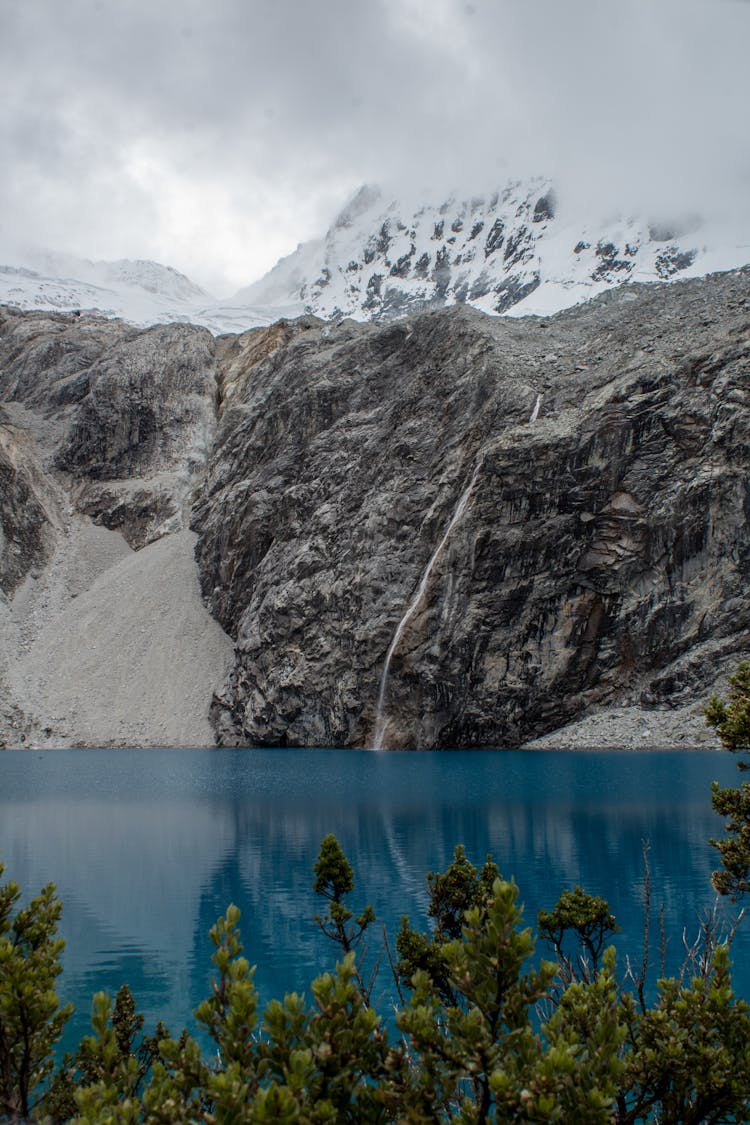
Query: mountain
[[518, 251], [459, 530], [515, 250], [141, 292], [450, 530]]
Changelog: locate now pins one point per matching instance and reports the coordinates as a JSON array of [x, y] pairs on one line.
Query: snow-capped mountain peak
[[511, 250], [516, 250], [153, 277]]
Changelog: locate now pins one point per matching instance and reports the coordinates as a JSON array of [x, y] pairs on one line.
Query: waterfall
[[381, 722], [535, 411]]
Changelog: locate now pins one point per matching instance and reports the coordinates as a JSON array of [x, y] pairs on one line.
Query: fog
[[215, 137]]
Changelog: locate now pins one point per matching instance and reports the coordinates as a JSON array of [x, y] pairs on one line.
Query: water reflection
[[147, 848]]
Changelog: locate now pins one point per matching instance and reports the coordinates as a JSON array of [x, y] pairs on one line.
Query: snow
[[502, 252], [141, 292], [367, 265]]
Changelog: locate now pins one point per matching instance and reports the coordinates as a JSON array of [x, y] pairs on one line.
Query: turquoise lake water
[[148, 847]]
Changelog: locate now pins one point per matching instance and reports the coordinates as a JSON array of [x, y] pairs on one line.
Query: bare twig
[[712, 932], [640, 983], [392, 963]]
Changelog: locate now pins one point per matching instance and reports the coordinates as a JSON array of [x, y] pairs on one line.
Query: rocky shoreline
[[633, 728]]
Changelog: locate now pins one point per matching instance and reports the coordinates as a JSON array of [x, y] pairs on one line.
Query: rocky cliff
[[602, 555], [104, 435], [127, 416], [534, 520]]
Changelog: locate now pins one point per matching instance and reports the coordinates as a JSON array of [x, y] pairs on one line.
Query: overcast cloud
[[214, 136]]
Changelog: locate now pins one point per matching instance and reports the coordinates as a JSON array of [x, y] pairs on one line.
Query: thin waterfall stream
[[381, 721], [535, 411]]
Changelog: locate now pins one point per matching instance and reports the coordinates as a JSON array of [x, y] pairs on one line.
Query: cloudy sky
[[214, 135]]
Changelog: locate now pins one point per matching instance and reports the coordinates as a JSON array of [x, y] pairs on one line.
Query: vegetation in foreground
[[485, 1033]]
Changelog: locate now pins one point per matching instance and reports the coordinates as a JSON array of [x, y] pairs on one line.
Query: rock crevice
[[600, 562], [604, 543]]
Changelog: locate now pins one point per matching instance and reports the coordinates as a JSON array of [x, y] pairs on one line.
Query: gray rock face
[[603, 556], [146, 396], [147, 418], [24, 509], [100, 644], [132, 412], [45, 357], [537, 519]]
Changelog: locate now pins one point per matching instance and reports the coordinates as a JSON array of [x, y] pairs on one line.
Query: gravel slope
[[633, 728], [111, 647]]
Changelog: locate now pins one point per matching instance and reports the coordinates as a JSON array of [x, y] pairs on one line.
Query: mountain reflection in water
[[147, 848]]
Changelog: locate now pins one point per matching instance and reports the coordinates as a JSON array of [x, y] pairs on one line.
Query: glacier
[[513, 251]]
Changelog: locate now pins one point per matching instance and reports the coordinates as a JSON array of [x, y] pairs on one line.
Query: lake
[[147, 848]]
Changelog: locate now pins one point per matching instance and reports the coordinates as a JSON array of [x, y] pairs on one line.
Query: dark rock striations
[[26, 508], [129, 414], [103, 429], [537, 519], [603, 556]]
